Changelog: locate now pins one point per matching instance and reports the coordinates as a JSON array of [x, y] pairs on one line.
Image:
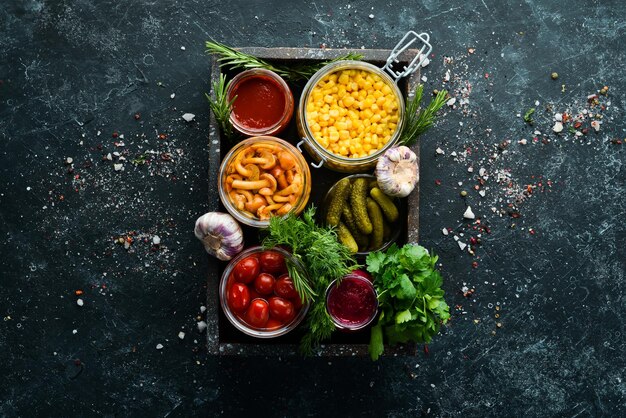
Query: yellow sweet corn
[[352, 113]]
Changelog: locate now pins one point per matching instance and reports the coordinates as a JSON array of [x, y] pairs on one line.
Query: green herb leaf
[[528, 116], [419, 121], [237, 59], [376, 346], [221, 106], [409, 294], [403, 316], [325, 259]]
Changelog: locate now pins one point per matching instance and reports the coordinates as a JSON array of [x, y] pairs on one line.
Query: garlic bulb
[[220, 233], [396, 171]]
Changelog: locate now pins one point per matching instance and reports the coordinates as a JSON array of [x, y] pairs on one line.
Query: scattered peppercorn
[[435, 92], [474, 264], [115, 134], [137, 116], [463, 193], [554, 75]]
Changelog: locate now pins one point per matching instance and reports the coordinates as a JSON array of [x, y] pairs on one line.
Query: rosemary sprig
[[221, 107], [237, 59], [419, 121]]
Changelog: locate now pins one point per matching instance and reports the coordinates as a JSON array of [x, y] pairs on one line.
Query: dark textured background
[[72, 72]]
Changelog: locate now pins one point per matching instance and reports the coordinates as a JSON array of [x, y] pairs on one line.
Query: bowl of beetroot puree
[[352, 302]]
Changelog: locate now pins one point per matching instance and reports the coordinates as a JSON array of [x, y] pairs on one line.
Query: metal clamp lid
[[322, 160], [409, 39]]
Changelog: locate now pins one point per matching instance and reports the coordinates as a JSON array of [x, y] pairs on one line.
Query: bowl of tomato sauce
[[257, 293], [263, 103]]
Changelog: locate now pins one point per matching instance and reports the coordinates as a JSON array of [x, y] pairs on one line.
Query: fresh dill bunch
[[325, 259], [419, 120], [221, 106], [237, 59]]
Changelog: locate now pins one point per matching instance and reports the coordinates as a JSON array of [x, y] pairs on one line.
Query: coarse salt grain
[[444, 231], [189, 117], [202, 309], [156, 240], [80, 302], [159, 346], [202, 326], [468, 213], [462, 245], [181, 335], [558, 127], [439, 151]]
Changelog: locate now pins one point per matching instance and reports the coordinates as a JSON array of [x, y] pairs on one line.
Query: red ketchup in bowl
[[263, 102], [352, 304]]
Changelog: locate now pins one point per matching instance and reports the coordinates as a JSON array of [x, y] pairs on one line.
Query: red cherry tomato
[[246, 270], [272, 262], [281, 309], [238, 297], [362, 273], [297, 303], [254, 294], [258, 313], [284, 287], [264, 283], [273, 324]]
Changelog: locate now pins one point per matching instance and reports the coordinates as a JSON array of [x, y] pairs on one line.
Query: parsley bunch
[[409, 295]]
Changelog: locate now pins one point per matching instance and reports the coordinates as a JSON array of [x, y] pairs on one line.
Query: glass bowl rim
[[334, 67], [343, 326], [241, 326], [301, 161], [289, 102]]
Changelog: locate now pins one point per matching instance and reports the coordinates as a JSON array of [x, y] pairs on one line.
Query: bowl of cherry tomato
[[257, 293]]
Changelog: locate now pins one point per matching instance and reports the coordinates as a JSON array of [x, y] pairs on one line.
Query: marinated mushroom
[[250, 185], [255, 204]]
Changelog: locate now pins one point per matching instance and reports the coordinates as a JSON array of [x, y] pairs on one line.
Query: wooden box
[[222, 337]]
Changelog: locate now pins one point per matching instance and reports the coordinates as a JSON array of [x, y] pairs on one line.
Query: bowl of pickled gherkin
[[365, 218]]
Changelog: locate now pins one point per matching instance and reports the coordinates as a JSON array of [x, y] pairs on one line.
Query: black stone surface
[[553, 263]]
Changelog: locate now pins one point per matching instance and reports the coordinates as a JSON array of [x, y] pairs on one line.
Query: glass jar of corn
[[349, 114]]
